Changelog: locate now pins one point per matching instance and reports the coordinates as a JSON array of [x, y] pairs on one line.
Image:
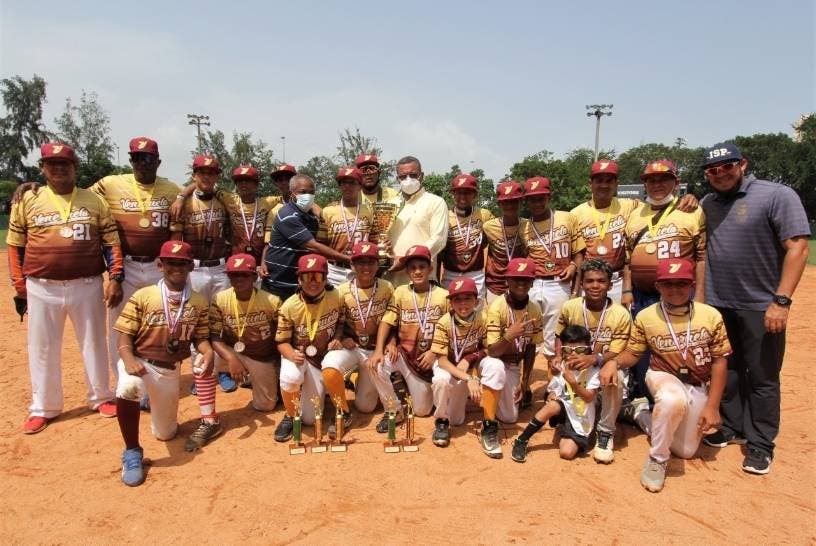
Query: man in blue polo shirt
[[757, 250], [293, 235]]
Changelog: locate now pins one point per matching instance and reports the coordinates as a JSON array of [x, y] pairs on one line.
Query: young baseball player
[[514, 328], [364, 300], [609, 324], [463, 255], [687, 369], [463, 369], [570, 400], [243, 322], [156, 328], [346, 223], [413, 311], [60, 241], [309, 325], [503, 237]]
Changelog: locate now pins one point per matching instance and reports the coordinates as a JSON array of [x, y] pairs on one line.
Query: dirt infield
[[62, 485]]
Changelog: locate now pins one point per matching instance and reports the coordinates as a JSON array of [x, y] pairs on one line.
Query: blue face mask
[[304, 201]]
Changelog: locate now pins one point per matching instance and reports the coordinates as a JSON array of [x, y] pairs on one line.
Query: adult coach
[[372, 189], [60, 240], [757, 250]]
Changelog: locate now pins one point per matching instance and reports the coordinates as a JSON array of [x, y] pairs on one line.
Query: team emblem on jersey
[[142, 144], [176, 248], [244, 170], [310, 263]]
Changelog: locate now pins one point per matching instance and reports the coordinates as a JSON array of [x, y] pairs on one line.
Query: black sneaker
[[382, 426], [756, 462], [722, 439], [203, 435], [490, 439], [519, 453], [283, 432], [441, 434], [527, 399], [346, 425]]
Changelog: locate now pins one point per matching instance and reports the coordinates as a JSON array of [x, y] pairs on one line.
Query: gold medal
[[549, 266], [466, 256], [423, 345], [66, 232], [173, 346], [144, 223], [363, 340], [651, 248], [601, 250], [311, 351], [239, 346]]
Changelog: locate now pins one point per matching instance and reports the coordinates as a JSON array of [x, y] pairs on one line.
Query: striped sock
[[205, 391]]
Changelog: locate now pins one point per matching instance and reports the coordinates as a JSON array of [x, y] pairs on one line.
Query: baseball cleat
[[603, 448], [722, 439], [204, 434], [107, 409], [653, 476], [519, 453], [132, 469], [35, 424], [756, 462], [226, 382], [441, 434], [490, 439], [382, 426], [284, 430]]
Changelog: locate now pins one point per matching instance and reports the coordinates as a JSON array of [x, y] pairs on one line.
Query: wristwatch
[[118, 277], [783, 301]]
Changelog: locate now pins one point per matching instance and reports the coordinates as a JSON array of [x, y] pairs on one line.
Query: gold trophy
[[338, 445], [385, 214], [317, 444], [408, 442], [297, 447], [390, 445]]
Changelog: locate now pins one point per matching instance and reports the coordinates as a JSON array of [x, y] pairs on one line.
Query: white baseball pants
[[550, 295], [162, 386], [418, 388], [451, 394], [674, 417], [366, 393], [309, 381]]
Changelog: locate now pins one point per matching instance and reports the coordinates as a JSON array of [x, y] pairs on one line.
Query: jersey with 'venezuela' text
[[613, 333], [252, 221], [498, 320], [296, 319], [497, 249], [257, 317], [341, 233], [552, 257], [203, 224], [471, 336], [464, 250], [611, 222], [355, 310]]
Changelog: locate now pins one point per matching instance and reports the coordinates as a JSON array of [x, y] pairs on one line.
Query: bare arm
[[326, 251], [796, 255], [699, 275]]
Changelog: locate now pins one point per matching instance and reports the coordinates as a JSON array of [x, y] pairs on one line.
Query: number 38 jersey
[[126, 206], [679, 235]]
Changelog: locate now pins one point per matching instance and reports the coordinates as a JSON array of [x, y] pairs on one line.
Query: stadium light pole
[[283, 143], [598, 111], [198, 120]]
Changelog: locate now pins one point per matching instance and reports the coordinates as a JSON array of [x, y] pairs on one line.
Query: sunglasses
[[369, 169], [146, 159], [567, 350], [717, 169]]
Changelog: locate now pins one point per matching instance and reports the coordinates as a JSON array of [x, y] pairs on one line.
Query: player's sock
[[205, 391], [128, 413], [289, 401], [490, 403], [333, 380], [532, 427]]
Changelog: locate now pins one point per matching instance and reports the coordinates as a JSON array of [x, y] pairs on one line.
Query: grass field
[[812, 255], [3, 229]]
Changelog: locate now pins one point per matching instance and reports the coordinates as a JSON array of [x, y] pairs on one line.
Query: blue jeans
[[642, 300]]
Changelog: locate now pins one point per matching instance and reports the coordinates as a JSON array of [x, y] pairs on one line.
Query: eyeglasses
[[714, 170], [567, 350], [369, 169], [146, 159]]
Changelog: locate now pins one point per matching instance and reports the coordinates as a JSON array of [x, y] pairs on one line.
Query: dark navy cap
[[724, 152]]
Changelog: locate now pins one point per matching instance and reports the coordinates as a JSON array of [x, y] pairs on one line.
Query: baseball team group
[[668, 313]]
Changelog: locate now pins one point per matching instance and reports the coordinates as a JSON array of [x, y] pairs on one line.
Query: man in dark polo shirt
[[757, 250], [292, 235]]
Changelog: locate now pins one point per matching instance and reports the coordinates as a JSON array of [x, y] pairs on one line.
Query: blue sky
[[450, 82]]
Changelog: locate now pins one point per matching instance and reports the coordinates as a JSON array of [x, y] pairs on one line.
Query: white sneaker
[[653, 476], [603, 448]]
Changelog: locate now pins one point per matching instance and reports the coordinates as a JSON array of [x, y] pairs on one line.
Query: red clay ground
[[62, 485]]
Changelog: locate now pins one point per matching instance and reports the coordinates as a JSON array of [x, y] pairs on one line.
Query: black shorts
[[566, 430]]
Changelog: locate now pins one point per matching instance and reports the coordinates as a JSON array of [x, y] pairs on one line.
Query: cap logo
[[462, 181], [604, 165], [238, 262], [366, 158], [176, 248], [142, 144], [719, 152], [521, 267], [310, 263], [534, 185], [674, 268], [412, 250], [348, 172], [507, 190], [661, 167], [207, 161], [56, 149], [244, 170], [364, 248], [458, 285]]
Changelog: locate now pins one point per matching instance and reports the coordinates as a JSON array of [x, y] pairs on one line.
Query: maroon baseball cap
[[663, 166], [241, 263], [349, 172], [521, 268], [205, 162], [675, 269], [176, 250], [603, 166], [364, 250], [57, 150], [417, 251], [144, 145], [462, 285], [537, 185], [312, 263], [464, 182], [367, 159], [284, 168], [245, 172], [509, 190]]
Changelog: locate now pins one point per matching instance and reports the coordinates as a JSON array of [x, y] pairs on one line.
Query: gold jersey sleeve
[[131, 203], [296, 318], [385, 194], [62, 248], [470, 336], [612, 335], [143, 318], [502, 241], [499, 319], [247, 221], [342, 227], [412, 339], [258, 320], [363, 310], [679, 235], [707, 340], [553, 256], [204, 226], [611, 222]]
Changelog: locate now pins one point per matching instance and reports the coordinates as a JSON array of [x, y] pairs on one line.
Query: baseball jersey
[[125, 198], [463, 250], [383, 194], [354, 312], [611, 222], [470, 336], [497, 250], [612, 335], [252, 221], [258, 317], [707, 334], [203, 226], [401, 314], [678, 235], [143, 319], [552, 256], [59, 249], [580, 413], [293, 327], [498, 320], [341, 233]]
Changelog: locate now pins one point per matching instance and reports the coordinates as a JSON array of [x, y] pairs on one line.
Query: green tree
[[568, 177], [354, 143], [632, 162], [244, 150], [21, 129], [323, 169], [439, 184], [7, 188]]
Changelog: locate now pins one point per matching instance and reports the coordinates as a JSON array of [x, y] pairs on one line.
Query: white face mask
[[304, 201], [410, 185], [657, 203]]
